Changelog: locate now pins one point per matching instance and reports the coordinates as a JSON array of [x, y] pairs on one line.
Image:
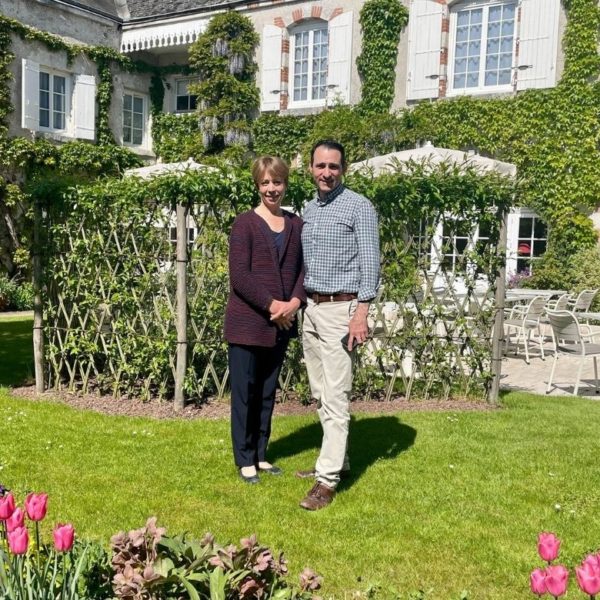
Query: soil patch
[[219, 409]]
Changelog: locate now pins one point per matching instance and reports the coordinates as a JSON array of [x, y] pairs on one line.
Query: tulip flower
[[16, 520], [18, 540], [548, 546], [588, 578], [537, 582], [63, 537], [7, 506], [36, 505], [593, 560], [556, 580]]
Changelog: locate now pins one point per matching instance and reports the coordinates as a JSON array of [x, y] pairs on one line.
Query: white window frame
[[52, 73], [188, 80], [437, 243], [144, 119], [480, 89], [310, 26], [512, 242]]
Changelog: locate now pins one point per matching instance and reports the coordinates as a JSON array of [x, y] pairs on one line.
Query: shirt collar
[[330, 196]]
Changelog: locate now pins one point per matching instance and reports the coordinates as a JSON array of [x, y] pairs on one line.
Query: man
[[340, 242]]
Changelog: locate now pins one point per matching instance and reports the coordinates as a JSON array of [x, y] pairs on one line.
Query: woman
[[266, 290]]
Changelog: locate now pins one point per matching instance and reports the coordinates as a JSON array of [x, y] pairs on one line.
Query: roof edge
[[88, 9]]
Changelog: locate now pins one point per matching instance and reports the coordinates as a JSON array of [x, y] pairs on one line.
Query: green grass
[[438, 501], [16, 350]]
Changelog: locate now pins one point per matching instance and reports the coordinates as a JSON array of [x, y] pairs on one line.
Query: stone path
[[533, 377]]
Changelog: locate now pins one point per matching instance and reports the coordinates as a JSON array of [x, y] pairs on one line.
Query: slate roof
[[144, 9], [103, 7]]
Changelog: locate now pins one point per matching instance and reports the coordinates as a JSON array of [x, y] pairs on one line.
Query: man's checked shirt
[[340, 242]]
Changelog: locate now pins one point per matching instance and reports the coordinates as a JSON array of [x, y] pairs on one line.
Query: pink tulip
[[18, 540], [16, 520], [63, 537], [588, 578], [557, 578], [7, 506], [593, 560], [537, 582], [36, 505], [548, 546]]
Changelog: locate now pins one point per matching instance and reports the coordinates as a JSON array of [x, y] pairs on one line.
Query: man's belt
[[318, 298]]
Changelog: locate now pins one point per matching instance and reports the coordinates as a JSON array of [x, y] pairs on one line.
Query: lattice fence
[[111, 309]]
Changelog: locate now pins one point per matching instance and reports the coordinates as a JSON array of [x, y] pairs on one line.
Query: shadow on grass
[[16, 352], [371, 439]]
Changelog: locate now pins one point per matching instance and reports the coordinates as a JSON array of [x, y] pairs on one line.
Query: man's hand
[[358, 328], [284, 313]]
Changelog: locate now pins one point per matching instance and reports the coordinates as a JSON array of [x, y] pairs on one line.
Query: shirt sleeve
[[367, 238], [240, 275]]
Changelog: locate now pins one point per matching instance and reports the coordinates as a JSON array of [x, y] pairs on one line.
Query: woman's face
[[271, 190]]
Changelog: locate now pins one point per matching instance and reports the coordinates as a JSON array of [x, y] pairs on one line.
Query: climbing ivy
[[381, 21]]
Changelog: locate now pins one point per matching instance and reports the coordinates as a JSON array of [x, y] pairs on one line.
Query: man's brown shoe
[[319, 497]]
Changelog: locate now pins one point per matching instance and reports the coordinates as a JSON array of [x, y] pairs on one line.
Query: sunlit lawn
[[438, 501]]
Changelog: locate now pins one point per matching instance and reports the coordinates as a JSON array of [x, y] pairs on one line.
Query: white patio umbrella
[[166, 168], [430, 155]]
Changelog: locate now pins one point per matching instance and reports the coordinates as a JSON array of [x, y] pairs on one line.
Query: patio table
[[590, 316], [525, 294]]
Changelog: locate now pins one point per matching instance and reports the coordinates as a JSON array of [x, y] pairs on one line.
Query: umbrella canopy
[[430, 155], [167, 168]]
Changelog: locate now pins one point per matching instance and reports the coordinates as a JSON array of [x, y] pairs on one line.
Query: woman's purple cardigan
[[257, 276]]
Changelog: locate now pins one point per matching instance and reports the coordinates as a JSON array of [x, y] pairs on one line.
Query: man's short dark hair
[[330, 145]]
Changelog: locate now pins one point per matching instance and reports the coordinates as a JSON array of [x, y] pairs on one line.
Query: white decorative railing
[[161, 36]]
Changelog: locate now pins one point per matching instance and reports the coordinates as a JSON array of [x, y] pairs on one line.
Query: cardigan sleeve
[[240, 275], [299, 291]]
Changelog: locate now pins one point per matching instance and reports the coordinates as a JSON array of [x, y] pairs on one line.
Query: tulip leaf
[[191, 590], [217, 585]]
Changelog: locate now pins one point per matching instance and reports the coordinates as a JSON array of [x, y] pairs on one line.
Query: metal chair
[[525, 319], [568, 340]]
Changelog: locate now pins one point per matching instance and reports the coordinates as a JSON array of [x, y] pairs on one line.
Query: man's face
[[327, 169]]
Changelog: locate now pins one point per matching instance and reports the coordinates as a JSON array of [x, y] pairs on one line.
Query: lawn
[[442, 502]]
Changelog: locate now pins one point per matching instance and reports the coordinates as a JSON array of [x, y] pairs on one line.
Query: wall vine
[[381, 22]]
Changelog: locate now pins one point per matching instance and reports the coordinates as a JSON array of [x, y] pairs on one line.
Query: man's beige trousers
[[329, 367]]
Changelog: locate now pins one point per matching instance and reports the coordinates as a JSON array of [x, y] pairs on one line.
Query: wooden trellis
[[432, 340]]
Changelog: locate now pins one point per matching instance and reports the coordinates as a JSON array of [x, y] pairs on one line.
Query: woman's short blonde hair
[[270, 164]]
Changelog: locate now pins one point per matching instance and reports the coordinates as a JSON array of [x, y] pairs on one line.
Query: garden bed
[[219, 409]]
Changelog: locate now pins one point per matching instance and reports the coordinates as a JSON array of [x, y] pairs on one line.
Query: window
[[482, 47], [52, 101], [133, 120], [453, 240], [185, 100], [531, 243], [308, 61]]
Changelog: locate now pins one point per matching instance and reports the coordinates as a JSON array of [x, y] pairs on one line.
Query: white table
[[525, 294]]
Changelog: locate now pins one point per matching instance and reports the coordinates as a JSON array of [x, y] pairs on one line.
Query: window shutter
[[340, 56], [538, 43], [424, 46], [30, 97], [84, 107], [270, 75]]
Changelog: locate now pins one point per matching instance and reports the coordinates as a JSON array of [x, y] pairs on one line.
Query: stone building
[[307, 56]]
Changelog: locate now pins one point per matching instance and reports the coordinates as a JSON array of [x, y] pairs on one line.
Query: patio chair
[[525, 319], [583, 301], [568, 340]]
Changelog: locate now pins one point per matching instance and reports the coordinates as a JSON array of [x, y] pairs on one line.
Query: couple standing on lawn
[[327, 262]]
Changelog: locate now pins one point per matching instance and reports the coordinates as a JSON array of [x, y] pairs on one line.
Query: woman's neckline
[[268, 224]]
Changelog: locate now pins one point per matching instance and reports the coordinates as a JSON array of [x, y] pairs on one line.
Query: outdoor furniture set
[[569, 319]]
